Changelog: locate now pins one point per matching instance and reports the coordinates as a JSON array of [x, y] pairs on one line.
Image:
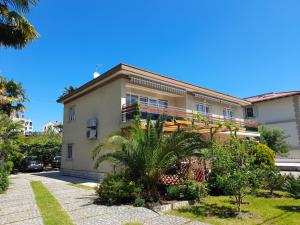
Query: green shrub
[[194, 190], [293, 186], [139, 202], [4, 182], [173, 192], [8, 166], [116, 189], [188, 190], [273, 180], [263, 155]]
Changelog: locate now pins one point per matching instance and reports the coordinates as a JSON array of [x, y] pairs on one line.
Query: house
[[54, 126], [27, 127], [109, 102], [279, 110]]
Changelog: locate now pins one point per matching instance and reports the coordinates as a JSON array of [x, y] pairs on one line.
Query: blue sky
[[238, 47]]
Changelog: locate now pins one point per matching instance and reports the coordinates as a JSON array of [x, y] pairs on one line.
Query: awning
[[156, 85]]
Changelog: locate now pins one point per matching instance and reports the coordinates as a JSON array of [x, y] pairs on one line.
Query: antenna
[[96, 74]]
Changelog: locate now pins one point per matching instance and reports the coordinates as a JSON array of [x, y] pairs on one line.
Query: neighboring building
[[57, 127], [108, 103], [281, 110], [27, 124]]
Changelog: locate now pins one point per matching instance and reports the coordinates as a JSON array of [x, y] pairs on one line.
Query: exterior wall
[[283, 113], [104, 104]]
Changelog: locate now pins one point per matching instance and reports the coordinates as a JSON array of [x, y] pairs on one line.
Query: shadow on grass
[[289, 208], [210, 210], [269, 195]]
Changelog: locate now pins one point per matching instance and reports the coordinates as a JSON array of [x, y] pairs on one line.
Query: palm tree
[[12, 96], [147, 153], [15, 29], [68, 90]]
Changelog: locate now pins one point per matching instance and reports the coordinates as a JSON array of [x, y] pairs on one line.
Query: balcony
[[175, 117]]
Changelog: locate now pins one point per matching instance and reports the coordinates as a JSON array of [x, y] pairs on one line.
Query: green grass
[[260, 210], [52, 212], [82, 186]]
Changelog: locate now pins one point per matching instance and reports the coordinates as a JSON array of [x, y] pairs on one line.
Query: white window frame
[[204, 105], [71, 113], [149, 99], [228, 113], [129, 94]]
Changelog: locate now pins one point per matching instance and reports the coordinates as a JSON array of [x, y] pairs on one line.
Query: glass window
[[152, 102], [163, 103], [143, 100], [70, 151], [228, 113], [203, 109], [71, 113], [249, 112], [131, 99]]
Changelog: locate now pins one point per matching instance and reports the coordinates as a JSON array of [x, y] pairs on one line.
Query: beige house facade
[[280, 110], [108, 103]]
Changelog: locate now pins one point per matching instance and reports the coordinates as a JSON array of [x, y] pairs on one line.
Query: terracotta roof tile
[[271, 96]]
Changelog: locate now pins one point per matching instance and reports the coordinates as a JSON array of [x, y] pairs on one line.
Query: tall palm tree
[[148, 153], [12, 96], [15, 29]]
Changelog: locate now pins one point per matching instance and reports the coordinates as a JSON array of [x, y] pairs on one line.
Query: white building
[[27, 124], [279, 110], [54, 126]]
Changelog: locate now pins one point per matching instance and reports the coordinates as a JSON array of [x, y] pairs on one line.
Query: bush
[[189, 190], [139, 202], [274, 138], [6, 167], [293, 186], [173, 192], [263, 155], [116, 189], [273, 180], [4, 182]]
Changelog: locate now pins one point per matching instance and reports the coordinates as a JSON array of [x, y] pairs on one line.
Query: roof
[[122, 70], [271, 96]]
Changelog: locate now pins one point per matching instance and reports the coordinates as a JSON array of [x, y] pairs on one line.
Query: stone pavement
[[18, 206], [79, 204]]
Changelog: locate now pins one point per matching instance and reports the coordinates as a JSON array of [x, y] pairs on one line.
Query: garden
[[239, 182]]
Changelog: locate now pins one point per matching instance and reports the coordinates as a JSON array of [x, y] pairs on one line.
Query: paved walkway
[[78, 203], [18, 206]]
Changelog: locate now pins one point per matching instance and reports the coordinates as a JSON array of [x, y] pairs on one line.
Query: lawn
[[260, 210], [52, 212], [83, 186]]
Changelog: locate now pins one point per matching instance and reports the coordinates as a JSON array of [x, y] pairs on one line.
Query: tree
[[15, 29], [233, 169], [12, 96], [45, 146], [275, 139], [147, 153], [10, 132]]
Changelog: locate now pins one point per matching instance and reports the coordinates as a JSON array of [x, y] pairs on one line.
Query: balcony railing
[[172, 113]]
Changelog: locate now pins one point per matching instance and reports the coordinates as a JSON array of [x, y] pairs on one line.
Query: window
[[152, 102], [143, 100], [203, 109], [70, 151], [163, 103], [228, 113], [249, 112], [72, 113], [131, 99]]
